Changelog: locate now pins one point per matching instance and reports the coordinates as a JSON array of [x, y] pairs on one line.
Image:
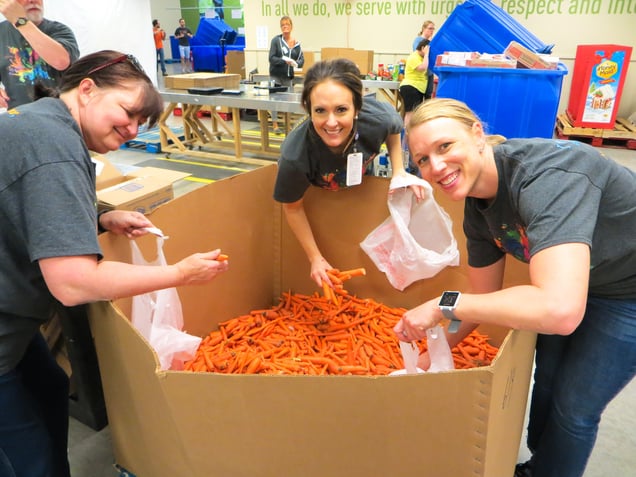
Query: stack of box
[[475, 59], [203, 80]]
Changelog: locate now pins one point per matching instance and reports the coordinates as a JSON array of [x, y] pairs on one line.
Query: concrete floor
[[90, 452]]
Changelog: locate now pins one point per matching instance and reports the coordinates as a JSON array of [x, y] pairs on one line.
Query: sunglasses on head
[[119, 59]]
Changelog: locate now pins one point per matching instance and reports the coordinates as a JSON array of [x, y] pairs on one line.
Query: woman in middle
[[334, 147], [285, 54]]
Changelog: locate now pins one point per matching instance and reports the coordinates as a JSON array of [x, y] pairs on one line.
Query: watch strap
[[21, 21], [453, 326]]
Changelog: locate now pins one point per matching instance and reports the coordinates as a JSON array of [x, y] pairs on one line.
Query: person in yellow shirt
[[413, 86], [426, 33]]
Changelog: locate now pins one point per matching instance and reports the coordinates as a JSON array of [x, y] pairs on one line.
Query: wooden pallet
[[623, 134]]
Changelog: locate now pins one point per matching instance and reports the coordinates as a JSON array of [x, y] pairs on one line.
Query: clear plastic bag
[[159, 318], [416, 241]]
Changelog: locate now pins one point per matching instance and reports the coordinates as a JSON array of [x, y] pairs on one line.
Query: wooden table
[[205, 140]]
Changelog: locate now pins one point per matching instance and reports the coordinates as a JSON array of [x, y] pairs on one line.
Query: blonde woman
[[567, 211]]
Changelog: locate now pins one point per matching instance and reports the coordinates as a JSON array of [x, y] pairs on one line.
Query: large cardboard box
[[169, 423], [203, 80], [143, 189], [362, 58]]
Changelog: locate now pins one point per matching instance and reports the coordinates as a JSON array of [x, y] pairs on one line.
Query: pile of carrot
[[331, 334]]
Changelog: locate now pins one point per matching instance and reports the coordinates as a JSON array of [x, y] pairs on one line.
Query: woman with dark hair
[[49, 250], [334, 148]]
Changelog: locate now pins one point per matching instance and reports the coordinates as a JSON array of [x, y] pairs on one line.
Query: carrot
[[313, 335], [254, 365], [222, 257]]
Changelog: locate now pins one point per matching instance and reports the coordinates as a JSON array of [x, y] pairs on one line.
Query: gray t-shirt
[[21, 66], [305, 159], [554, 192], [47, 209]]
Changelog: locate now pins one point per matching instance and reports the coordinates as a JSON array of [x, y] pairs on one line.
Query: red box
[[597, 85]]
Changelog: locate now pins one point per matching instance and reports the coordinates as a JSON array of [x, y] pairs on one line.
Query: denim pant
[[34, 416], [576, 376], [161, 60]]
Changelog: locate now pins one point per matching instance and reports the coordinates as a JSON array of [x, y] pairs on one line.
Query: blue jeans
[[576, 376], [34, 416], [161, 60]]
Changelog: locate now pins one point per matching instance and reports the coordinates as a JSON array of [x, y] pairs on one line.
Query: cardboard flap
[[106, 173]]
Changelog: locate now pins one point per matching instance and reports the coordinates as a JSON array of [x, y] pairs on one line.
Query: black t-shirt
[[554, 192], [306, 160]]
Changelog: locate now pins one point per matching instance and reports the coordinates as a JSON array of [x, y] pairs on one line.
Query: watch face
[[449, 298], [21, 21]]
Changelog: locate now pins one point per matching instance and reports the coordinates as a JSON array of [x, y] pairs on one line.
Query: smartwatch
[[21, 22], [447, 304]]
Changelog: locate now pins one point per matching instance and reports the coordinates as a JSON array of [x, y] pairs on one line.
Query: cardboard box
[[142, 190], [203, 80], [529, 59], [167, 423], [486, 60], [362, 58], [455, 58], [310, 59], [235, 63]]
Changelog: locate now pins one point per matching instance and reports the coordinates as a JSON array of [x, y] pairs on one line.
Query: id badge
[[354, 169]]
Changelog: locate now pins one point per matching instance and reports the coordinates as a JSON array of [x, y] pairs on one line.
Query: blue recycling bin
[[513, 102], [212, 30], [482, 26]]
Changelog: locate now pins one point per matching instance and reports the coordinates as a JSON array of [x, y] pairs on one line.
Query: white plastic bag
[[159, 318], [416, 241], [439, 353], [439, 350]]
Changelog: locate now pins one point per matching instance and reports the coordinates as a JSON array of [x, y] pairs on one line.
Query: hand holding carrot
[[319, 267], [337, 278], [200, 268]]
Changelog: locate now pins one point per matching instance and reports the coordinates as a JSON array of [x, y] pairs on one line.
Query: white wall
[[390, 35], [123, 25], [126, 25], [168, 13]]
